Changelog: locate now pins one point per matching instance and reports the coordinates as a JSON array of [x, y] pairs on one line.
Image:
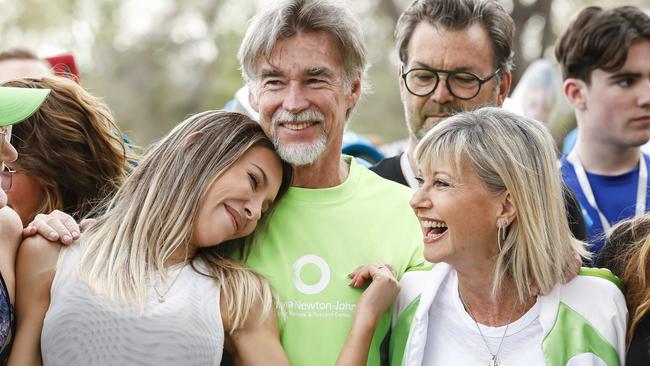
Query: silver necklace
[[161, 296], [494, 359]]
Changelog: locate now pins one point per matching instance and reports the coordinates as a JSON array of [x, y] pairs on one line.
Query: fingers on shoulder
[[55, 225]]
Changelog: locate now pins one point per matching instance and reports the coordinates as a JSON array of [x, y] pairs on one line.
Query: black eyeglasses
[[465, 85]]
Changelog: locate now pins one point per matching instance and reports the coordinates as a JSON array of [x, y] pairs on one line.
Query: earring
[[502, 224]]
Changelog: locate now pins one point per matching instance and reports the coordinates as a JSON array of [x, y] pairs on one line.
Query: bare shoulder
[[39, 254]]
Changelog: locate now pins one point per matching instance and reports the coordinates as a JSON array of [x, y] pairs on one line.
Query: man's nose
[[644, 94], [441, 94], [295, 101]]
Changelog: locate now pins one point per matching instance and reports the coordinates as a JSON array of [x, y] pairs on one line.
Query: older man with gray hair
[[305, 64]]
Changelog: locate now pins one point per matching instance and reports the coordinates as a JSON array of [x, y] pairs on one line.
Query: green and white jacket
[[584, 321]]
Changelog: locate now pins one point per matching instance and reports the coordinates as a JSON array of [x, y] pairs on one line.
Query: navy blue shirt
[[615, 197]]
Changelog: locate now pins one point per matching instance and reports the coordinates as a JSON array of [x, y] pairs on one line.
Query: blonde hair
[[153, 214], [627, 254], [514, 154]]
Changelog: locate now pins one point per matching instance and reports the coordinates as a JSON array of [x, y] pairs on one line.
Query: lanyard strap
[[641, 188]]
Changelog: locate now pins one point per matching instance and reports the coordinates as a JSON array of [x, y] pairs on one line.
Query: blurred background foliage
[[155, 62]]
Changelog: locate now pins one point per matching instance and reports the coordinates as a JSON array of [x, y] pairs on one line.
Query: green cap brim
[[17, 104]]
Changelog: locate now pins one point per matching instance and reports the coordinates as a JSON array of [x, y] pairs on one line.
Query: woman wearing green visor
[[16, 104]]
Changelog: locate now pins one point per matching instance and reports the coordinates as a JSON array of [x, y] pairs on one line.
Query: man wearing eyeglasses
[[455, 55]]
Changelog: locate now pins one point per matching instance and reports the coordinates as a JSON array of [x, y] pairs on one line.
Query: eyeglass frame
[[4, 132], [6, 174], [481, 81]]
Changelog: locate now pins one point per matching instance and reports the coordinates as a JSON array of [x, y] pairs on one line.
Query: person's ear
[[355, 92], [403, 92], [507, 210], [575, 91], [191, 139], [252, 100], [504, 87]]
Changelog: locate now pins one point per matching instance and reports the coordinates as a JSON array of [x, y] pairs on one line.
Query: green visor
[[17, 104]]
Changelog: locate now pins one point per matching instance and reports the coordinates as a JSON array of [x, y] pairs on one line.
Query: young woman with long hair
[[149, 282], [152, 281]]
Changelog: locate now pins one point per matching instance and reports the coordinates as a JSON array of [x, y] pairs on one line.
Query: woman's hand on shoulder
[[55, 226]]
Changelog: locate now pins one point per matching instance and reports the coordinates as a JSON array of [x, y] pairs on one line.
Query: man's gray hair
[[291, 17], [459, 15]]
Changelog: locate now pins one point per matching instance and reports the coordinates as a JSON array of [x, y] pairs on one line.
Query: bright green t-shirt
[[314, 238]]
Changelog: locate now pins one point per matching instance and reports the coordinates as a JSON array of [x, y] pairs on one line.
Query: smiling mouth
[[643, 119], [434, 229], [235, 217], [298, 126]]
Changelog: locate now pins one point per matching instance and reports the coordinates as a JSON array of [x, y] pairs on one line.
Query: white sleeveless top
[[81, 328]]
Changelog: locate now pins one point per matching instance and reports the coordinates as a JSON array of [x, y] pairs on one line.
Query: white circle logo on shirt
[[324, 274]]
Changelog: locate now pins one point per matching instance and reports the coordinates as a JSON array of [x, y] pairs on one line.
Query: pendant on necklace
[[162, 299], [495, 362]]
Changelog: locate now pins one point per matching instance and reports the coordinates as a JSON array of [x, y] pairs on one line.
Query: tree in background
[[155, 62]]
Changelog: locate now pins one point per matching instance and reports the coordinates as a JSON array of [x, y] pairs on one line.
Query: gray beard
[[302, 153], [299, 154]]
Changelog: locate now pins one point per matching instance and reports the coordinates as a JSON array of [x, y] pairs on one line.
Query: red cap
[[64, 65]]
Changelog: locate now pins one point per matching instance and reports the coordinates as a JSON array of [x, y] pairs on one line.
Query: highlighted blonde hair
[[514, 154], [153, 214]]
